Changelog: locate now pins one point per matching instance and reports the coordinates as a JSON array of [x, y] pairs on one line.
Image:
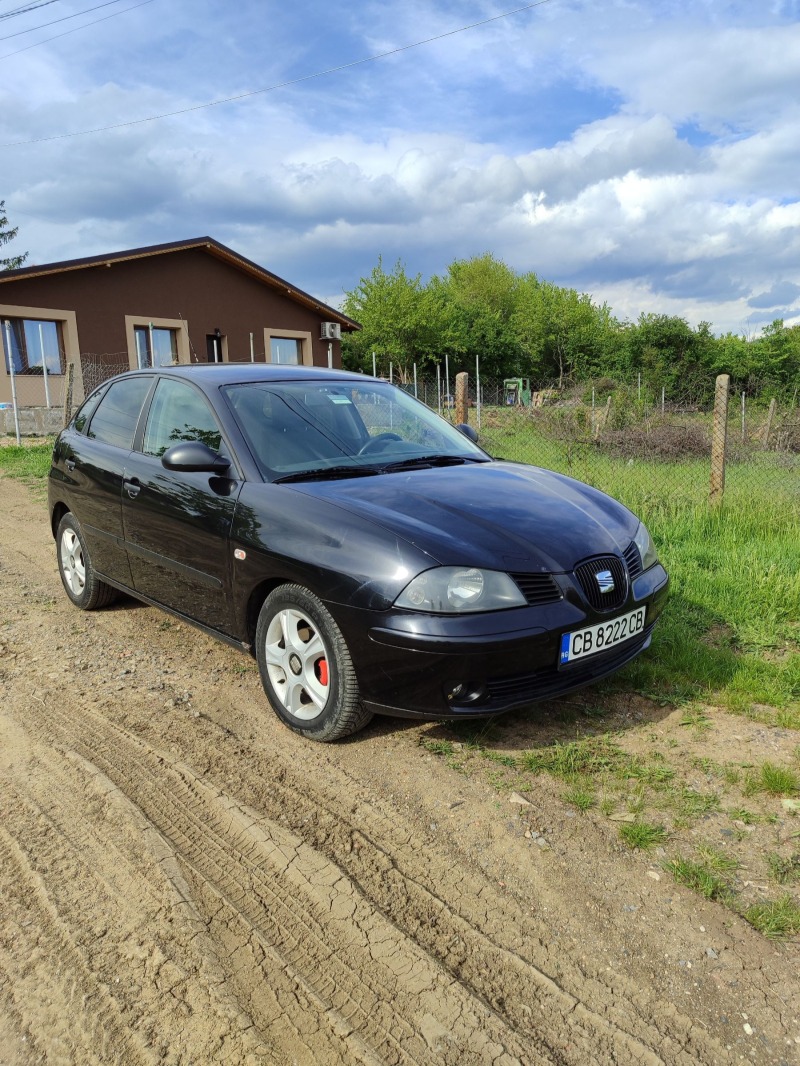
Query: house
[[190, 301]]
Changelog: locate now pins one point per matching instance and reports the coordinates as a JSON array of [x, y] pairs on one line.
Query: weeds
[[784, 870]]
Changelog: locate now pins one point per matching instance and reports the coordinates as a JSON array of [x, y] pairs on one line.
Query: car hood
[[497, 515]]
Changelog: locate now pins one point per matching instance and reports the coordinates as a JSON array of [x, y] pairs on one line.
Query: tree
[[401, 321], [563, 333], [477, 298], [7, 234]]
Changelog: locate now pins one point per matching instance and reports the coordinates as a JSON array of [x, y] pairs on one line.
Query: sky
[[646, 152]]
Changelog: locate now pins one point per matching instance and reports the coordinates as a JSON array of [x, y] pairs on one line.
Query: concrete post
[[719, 439]]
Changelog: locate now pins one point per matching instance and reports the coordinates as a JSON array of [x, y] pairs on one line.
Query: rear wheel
[[78, 576], [306, 669]]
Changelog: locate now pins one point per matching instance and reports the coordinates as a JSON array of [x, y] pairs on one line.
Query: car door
[[93, 463], [177, 523]]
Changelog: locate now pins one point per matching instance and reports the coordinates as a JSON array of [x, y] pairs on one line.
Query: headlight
[[647, 550], [455, 589]]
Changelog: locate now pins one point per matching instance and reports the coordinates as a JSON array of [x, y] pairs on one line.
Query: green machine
[[517, 392]]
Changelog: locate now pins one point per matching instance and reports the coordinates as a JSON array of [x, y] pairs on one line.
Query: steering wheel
[[372, 444]]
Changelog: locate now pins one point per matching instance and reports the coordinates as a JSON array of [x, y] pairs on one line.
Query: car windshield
[[298, 427]]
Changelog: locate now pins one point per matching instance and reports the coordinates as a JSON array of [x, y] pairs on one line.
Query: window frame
[[66, 321], [178, 325], [304, 336]]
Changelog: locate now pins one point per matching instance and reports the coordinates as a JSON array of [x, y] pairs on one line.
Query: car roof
[[236, 373]]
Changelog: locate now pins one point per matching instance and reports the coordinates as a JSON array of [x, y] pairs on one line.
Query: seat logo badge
[[605, 580]]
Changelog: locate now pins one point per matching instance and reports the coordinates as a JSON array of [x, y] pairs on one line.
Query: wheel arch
[[255, 602], [58, 512]]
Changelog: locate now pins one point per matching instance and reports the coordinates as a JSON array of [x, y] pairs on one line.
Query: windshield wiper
[[326, 473], [427, 461]]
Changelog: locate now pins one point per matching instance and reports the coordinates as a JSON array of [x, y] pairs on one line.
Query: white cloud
[[645, 152]]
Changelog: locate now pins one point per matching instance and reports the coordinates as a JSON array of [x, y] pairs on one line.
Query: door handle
[[132, 487], [70, 464]]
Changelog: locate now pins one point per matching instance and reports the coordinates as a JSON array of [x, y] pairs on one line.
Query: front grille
[[538, 589], [542, 684], [633, 560], [586, 575]]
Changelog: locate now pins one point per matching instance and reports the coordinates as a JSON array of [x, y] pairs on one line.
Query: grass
[[698, 876], [730, 633], [774, 780], [775, 920], [26, 461], [642, 835]]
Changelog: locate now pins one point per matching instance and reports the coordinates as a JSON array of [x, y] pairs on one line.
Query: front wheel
[[81, 583], [305, 666]]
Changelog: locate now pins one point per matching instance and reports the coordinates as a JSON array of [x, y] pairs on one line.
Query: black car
[[369, 553]]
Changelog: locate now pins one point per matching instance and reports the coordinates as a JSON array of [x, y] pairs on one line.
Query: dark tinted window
[[178, 412], [114, 421], [87, 409]]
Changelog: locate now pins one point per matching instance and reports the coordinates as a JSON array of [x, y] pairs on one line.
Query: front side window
[[114, 420], [155, 346], [178, 412], [33, 345], [286, 350]]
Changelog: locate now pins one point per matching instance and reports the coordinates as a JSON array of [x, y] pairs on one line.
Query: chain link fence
[[649, 449]]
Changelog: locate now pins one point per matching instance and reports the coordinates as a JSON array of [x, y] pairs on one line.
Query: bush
[[660, 441]]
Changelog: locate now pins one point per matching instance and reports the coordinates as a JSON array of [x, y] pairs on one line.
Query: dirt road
[[184, 881]]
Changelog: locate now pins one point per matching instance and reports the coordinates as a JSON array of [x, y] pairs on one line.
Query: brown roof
[[206, 244]]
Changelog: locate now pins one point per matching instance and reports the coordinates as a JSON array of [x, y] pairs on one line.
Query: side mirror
[[468, 431], [194, 456]]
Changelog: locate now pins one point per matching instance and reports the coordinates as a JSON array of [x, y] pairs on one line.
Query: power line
[[52, 22], [28, 7], [278, 85], [76, 29]]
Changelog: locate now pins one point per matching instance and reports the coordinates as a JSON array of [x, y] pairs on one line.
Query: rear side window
[[86, 410], [114, 420]]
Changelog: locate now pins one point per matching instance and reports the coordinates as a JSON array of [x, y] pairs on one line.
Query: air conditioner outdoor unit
[[330, 331]]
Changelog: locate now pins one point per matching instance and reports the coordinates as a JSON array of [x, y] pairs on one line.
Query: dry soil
[[184, 881]]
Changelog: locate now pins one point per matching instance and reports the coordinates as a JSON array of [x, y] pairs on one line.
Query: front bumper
[[411, 665]]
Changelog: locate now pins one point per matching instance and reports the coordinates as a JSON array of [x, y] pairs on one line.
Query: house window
[[32, 345], [286, 350], [155, 346]]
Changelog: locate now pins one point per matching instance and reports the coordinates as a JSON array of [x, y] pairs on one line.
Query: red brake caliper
[[322, 670]]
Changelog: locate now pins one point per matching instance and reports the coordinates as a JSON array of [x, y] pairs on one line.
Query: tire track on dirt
[[465, 923], [386, 998], [83, 1013]]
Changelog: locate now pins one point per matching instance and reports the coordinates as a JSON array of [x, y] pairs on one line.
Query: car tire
[[305, 666], [81, 583]]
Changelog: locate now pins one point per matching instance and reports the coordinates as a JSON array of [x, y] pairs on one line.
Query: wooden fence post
[[770, 418], [719, 439], [68, 384], [461, 411]]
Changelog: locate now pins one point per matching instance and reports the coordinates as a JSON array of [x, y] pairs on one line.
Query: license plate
[[594, 639]]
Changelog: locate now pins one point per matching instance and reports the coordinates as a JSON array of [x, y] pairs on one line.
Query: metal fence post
[[12, 375], [719, 439]]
